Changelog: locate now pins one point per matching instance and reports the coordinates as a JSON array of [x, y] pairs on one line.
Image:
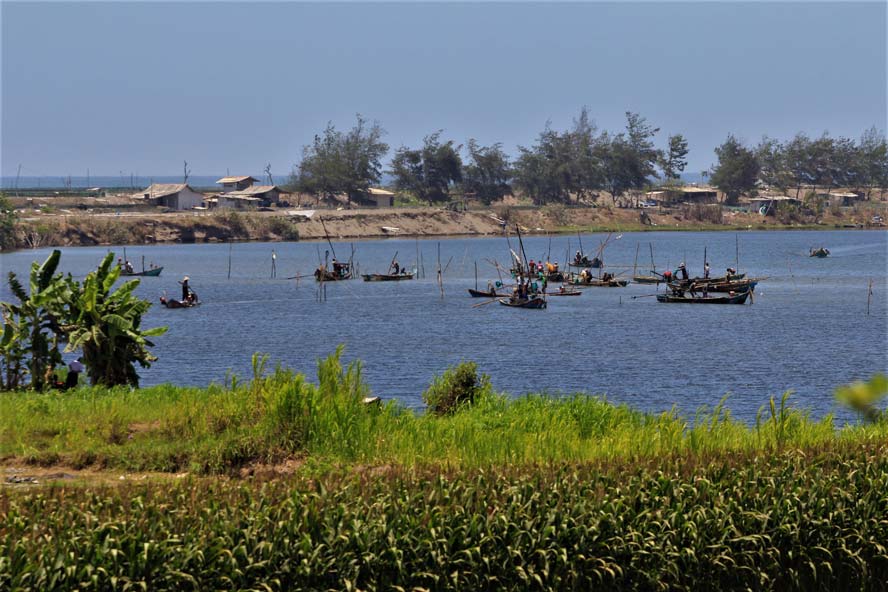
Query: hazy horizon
[[120, 88]]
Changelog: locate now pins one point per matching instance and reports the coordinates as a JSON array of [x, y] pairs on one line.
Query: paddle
[[645, 296], [484, 303]]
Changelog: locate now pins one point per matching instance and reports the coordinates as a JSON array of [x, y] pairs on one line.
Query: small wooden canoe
[[386, 277], [565, 293], [536, 302], [594, 263], [646, 279], [330, 276], [144, 273], [597, 283], [728, 299], [172, 303]]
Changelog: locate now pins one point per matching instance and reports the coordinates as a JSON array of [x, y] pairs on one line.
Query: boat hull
[[382, 277], [535, 303], [646, 279], [734, 299], [481, 294], [146, 273]]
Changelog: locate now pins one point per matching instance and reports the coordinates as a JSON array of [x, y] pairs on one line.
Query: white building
[[171, 195], [380, 197]]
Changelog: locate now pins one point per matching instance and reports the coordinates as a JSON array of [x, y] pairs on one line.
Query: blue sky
[[140, 87]]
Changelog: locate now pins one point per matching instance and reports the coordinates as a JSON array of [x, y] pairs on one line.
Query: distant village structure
[[171, 195], [380, 197], [239, 192]]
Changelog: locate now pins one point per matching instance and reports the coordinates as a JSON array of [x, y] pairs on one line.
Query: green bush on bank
[[784, 521]]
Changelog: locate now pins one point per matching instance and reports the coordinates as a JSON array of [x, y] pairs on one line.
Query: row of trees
[[578, 163], [92, 317], [575, 163], [824, 162]]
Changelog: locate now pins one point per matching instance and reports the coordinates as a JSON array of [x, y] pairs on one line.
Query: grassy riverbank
[[505, 494], [280, 416]]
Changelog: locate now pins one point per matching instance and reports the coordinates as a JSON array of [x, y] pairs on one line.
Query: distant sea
[[141, 181], [134, 182]]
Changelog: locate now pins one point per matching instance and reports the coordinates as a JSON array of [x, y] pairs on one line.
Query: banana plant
[[106, 326], [32, 326]]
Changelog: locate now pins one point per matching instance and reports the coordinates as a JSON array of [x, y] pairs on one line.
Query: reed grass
[[279, 414]]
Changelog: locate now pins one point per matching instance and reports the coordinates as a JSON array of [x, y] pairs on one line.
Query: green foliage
[[7, 224], [487, 173], [31, 328], [429, 172], [783, 521], [737, 169], [106, 325], [459, 386], [675, 159], [864, 397], [338, 162]]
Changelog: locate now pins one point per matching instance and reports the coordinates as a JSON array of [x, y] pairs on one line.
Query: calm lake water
[[807, 330]]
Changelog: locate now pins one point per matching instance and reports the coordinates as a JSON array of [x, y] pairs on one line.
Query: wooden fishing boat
[[733, 285], [584, 261], [722, 287], [485, 294], [684, 284], [820, 253], [537, 302], [173, 303], [144, 273], [322, 274], [565, 292], [598, 283], [386, 277], [683, 298], [646, 279]]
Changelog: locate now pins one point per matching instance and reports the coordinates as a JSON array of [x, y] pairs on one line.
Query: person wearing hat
[[683, 270], [186, 289], [74, 370]]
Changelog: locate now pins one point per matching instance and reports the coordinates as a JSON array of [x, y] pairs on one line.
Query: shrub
[[459, 386]]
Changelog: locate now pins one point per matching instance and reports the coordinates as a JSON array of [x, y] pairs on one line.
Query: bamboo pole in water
[[440, 275], [869, 297], [229, 258]]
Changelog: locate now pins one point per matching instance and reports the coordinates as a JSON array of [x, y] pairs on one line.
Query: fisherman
[[578, 258], [186, 289], [683, 270], [74, 370], [730, 273], [396, 267], [706, 271], [532, 268], [128, 267], [120, 262]]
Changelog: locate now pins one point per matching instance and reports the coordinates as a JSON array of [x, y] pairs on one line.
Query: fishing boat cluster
[[532, 282], [526, 283]]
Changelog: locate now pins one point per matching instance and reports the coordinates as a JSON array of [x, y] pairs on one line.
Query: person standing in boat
[[683, 270], [706, 271], [186, 289], [396, 267]]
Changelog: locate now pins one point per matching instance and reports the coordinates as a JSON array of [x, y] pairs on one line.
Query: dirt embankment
[[57, 229]]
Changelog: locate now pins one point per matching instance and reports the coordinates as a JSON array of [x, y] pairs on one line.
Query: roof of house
[[377, 191], [254, 190], [162, 190], [697, 190], [236, 179]]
